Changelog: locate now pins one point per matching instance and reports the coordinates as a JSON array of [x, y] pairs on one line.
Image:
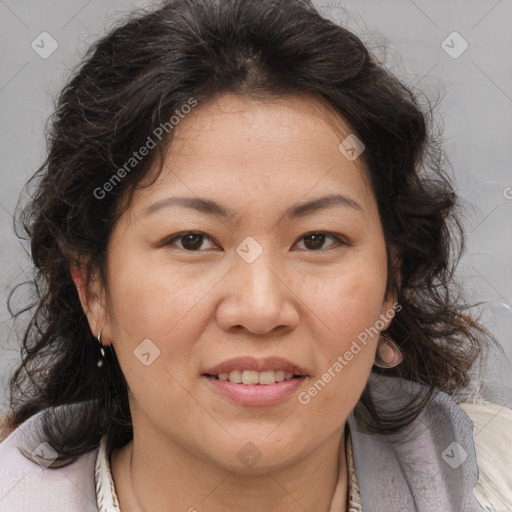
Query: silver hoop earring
[[102, 360], [386, 342]]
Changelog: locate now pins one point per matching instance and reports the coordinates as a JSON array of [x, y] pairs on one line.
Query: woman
[[244, 245]]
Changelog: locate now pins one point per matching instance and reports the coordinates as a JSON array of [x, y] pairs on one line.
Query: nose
[[258, 299]]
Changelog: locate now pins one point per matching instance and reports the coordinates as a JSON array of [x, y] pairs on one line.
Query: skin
[[205, 306]]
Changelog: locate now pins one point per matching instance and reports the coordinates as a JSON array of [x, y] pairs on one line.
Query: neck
[[149, 477]]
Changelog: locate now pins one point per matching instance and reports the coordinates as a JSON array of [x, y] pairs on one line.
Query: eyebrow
[[210, 207]]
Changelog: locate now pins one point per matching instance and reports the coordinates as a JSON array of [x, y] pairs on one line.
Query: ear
[[93, 298], [389, 310], [390, 305]]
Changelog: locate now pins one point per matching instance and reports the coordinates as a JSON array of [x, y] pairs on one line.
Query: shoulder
[[34, 487], [492, 434]]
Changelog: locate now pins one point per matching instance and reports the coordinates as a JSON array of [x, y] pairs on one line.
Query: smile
[[251, 377]]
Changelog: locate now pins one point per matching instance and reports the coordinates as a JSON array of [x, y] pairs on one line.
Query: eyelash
[[339, 241]]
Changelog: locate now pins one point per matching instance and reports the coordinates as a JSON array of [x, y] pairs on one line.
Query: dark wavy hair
[[130, 82]]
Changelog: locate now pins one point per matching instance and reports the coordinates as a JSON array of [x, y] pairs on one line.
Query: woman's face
[[253, 281]]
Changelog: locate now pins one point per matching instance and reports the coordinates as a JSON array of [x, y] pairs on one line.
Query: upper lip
[[259, 365]]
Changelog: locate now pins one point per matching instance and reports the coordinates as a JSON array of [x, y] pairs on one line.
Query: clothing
[[354, 494], [389, 480]]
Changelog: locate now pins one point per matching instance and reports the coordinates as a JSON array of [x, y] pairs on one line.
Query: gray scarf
[[429, 467]]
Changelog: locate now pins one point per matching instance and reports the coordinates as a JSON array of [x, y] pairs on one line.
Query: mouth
[[252, 377], [249, 370], [256, 382]]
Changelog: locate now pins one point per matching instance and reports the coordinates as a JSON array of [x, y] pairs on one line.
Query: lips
[[256, 365]]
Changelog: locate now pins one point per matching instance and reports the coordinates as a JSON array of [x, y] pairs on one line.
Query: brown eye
[[314, 241], [190, 241]]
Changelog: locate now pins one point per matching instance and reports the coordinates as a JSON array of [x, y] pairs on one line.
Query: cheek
[[351, 301], [156, 302], [149, 297], [351, 306]]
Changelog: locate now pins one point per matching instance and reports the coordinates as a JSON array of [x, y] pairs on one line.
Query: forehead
[[266, 149], [273, 121]]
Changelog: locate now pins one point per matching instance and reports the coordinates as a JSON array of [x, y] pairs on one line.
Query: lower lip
[[257, 395]]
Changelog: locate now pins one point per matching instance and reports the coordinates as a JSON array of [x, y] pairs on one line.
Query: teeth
[[235, 376], [279, 375], [252, 377], [267, 377], [249, 377]]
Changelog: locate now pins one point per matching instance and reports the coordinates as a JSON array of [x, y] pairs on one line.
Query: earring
[[388, 353], [101, 361]]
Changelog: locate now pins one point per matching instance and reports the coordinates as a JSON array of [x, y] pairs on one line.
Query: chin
[[255, 455]]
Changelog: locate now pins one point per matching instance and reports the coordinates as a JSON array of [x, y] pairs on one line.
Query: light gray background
[[476, 109]]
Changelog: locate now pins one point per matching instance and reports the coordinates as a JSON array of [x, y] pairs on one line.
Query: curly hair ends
[[130, 82]]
